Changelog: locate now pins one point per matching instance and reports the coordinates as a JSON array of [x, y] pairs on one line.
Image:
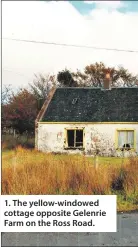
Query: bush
[[118, 181], [10, 142]]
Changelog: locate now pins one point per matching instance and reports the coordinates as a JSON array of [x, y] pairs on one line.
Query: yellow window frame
[[66, 136], [126, 130]]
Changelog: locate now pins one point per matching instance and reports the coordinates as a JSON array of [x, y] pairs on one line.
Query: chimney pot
[[107, 81], [107, 76]]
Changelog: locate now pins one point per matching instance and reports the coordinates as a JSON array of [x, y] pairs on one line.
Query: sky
[[108, 24]]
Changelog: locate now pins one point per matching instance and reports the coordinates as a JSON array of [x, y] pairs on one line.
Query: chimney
[[107, 80]]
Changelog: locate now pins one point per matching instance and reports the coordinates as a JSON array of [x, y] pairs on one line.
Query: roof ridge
[[97, 88]]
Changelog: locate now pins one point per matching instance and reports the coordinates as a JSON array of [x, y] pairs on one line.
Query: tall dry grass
[[26, 172]]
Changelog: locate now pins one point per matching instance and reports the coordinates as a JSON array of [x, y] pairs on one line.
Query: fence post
[[96, 161], [14, 133]]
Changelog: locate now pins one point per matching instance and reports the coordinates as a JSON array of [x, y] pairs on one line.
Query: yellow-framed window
[[74, 138], [125, 139]]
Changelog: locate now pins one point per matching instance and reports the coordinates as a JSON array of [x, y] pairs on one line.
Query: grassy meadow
[[30, 172]]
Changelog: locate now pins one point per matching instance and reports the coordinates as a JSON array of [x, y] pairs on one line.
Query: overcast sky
[[101, 24]]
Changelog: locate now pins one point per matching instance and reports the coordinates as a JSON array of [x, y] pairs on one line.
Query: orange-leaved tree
[[20, 112]]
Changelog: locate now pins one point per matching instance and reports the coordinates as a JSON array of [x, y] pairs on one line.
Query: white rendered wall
[[51, 137]]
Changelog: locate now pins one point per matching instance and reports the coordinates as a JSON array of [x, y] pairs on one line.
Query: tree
[[6, 94], [65, 79], [94, 75], [129, 80], [41, 87], [21, 111]]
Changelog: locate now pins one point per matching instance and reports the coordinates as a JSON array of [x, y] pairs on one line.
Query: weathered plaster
[[98, 138]]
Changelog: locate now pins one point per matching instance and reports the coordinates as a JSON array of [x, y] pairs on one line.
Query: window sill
[[120, 149], [73, 148]]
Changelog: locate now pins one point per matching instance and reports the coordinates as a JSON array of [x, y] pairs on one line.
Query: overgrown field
[[26, 172]]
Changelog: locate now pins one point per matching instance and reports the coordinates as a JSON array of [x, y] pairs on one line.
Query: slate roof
[[93, 105]]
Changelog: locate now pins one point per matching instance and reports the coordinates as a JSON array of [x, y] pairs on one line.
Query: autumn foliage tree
[[21, 111], [94, 74]]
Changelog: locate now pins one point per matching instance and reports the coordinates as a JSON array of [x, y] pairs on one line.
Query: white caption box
[[58, 213]]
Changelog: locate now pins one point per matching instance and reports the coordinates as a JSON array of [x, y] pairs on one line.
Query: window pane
[[79, 135], [70, 135], [130, 138], [121, 138], [79, 138], [126, 139]]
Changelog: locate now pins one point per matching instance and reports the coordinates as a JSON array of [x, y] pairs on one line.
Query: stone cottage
[[89, 120]]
